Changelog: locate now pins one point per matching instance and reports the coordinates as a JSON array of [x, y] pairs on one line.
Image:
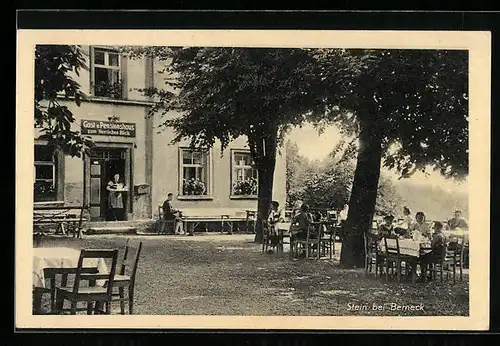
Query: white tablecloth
[[407, 247], [285, 226], [457, 233], [60, 257]]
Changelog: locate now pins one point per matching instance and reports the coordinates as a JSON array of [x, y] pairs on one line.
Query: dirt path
[[229, 275]]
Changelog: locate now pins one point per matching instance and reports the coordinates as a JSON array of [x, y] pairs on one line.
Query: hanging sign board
[[107, 128]]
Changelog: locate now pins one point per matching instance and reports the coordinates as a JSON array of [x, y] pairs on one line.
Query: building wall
[[101, 111], [166, 175], [155, 159]]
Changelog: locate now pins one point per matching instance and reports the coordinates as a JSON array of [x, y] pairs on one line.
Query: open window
[[194, 173], [244, 182], [46, 174], [107, 79]]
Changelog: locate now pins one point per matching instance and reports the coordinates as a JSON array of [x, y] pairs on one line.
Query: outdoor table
[[58, 258], [457, 232], [409, 247]]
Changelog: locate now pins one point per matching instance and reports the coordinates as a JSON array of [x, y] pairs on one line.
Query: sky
[[317, 147]]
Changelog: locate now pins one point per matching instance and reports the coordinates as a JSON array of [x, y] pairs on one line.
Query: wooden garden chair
[[448, 263], [91, 294], [125, 280], [394, 259], [374, 259]]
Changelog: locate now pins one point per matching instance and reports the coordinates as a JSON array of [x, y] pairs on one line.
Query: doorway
[[104, 163]]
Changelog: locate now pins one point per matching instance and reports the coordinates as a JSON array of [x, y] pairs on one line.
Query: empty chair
[[394, 259], [373, 258], [125, 280], [327, 238], [92, 293]]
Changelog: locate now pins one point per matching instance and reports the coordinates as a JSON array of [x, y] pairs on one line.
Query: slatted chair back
[[125, 257], [392, 246], [136, 262], [96, 254], [454, 248]]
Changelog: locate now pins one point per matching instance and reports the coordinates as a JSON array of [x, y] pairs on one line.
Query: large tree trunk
[[363, 197], [264, 152], [266, 178]]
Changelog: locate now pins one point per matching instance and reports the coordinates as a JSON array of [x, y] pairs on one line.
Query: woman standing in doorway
[[116, 187]]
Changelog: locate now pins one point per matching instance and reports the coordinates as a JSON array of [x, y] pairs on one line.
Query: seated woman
[[420, 226], [403, 228]]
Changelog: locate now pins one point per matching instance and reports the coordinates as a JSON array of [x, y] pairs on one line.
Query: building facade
[[130, 143]]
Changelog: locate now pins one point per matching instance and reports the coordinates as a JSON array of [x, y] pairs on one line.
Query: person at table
[[275, 213], [172, 214], [273, 218], [115, 190], [302, 221], [296, 208], [438, 246], [387, 227], [458, 221], [420, 226], [407, 218]]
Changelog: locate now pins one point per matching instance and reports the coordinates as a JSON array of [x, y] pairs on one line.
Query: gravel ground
[[229, 275]]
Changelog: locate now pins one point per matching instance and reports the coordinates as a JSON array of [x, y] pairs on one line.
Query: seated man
[[169, 213], [301, 222], [438, 246], [458, 221]]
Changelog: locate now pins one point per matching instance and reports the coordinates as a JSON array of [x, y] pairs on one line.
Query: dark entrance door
[[104, 164]]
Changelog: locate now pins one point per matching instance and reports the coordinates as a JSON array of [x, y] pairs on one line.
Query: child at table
[[386, 228], [438, 246], [272, 220]]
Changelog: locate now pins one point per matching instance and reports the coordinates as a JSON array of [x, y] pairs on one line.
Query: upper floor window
[[107, 73], [244, 175], [194, 172], [45, 174]]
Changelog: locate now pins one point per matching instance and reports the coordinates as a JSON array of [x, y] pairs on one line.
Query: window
[[45, 174], [106, 73], [244, 175], [194, 173]]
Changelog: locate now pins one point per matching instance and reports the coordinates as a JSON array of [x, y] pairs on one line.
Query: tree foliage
[[224, 93], [416, 100], [53, 65], [328, 185], [409, 109]]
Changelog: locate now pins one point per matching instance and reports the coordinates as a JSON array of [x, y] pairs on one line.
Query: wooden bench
[[63, 218], [192, 217]]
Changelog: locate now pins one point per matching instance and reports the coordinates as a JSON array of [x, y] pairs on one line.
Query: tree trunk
[[266, 178], [363, 197], [265, 160]]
